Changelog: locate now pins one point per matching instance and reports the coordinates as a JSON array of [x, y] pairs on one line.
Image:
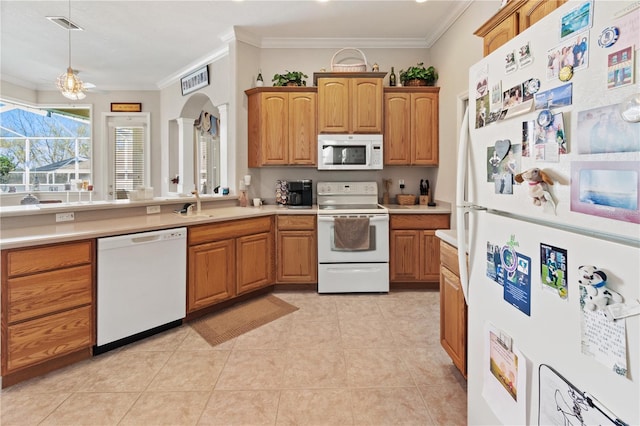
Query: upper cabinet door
[[424, 129], [274, 139], [333, 105], [302, 128], [366, 105], [501, 34], [397, 128], [534, 10]]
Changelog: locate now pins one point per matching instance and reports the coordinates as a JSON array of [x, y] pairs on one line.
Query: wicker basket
[[359, 67], [415, 82], [405, 200]]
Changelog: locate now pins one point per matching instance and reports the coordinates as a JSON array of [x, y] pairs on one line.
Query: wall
[[309, 60], [453, 54]]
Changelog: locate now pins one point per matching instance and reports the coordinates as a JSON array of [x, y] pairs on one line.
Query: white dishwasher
[[141, 285]]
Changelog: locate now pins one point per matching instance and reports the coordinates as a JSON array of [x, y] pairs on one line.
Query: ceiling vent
[[64, 23]]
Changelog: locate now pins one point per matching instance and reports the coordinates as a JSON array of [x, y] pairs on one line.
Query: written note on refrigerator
[[604, 339]]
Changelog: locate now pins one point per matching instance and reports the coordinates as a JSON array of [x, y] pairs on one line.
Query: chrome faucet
[[198, 205]]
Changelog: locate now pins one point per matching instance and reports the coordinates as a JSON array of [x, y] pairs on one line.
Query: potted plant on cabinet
[[419, 76], [290, 78]]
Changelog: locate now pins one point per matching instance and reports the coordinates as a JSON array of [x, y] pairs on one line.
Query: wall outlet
[[153, 209], [65, 217]]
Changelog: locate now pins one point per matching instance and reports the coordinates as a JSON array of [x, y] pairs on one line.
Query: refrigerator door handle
[[461, 204]]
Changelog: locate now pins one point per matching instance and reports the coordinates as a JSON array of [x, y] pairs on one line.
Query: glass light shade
[[70, 85]]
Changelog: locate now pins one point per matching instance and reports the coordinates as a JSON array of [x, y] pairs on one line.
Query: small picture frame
[[195, 80], [126, 107]]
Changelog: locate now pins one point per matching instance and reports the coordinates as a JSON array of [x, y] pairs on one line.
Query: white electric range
[[349, 260]]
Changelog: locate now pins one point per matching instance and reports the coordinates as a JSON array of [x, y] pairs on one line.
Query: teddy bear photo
[[598, 295]]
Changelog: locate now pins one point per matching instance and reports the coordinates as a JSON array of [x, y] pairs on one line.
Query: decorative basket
[[415, 82], [358, 67], [405, 200]]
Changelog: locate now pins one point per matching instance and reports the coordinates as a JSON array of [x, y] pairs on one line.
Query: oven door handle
[[383, 218]]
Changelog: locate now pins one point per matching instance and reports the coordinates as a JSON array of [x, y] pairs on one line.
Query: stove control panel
[[347, 188]]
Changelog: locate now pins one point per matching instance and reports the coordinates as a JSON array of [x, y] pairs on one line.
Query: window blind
[[129, 158]]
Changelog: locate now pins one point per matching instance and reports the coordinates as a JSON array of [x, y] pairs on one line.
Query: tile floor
[[339, 360]]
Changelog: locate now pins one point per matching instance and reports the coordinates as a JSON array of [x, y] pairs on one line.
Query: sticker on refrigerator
[[576, 20], [602, 130], [504, 381], [517, 282], [572, 52], [524, 56], [510, 64], [553, 270], [620, 68]]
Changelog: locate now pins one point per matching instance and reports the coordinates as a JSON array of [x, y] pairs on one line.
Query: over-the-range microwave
[[350, 152]]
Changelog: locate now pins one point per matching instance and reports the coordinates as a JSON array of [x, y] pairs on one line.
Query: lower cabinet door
[[254, 262], [453, 319], [211, 274], [404, 261], [297, 259], [42, 339]]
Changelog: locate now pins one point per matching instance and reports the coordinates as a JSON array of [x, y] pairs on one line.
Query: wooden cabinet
[[515, 17], [453, 309], [349, 102], [211, 274], [296, 246], [414, 250], [226, 259], [254, 262], [411, 117], [47, 308], [282, 126]]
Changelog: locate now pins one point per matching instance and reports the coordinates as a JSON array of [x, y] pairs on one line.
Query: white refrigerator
[[561, 97]]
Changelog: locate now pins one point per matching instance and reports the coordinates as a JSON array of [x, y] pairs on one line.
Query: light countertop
[[78, 230], [49, 233]]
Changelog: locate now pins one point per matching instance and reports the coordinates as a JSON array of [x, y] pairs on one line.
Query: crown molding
[[458, 10], [330, 42], [212, 57]]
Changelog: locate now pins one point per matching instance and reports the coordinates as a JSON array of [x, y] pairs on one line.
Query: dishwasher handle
[[145, 239], [131, 240]]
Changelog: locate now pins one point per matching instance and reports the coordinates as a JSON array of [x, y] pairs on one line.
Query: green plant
[[6, 167], [291, 78], [419, 72]]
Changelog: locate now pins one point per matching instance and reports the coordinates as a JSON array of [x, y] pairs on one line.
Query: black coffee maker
[[300, 194]]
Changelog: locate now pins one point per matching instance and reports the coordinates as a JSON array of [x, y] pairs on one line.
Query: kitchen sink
[[194, 215]]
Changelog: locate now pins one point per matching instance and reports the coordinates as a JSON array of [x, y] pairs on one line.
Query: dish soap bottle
[[392, 78]]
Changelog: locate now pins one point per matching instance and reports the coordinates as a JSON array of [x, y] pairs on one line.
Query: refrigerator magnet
[[608, 37], [545, 118], [566, 73]]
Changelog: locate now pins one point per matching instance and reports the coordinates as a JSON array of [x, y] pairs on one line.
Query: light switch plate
[[153, 209]]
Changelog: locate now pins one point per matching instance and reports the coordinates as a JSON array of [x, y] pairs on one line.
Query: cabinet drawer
[[231, 229], [45, 338], [28, 261], [39, 294], [449, 257], [288, 222], [419, 221]]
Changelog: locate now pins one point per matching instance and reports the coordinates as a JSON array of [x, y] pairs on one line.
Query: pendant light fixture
[[68, 82]]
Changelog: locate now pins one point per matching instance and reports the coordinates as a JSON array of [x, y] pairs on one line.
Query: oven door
[[377, 251]]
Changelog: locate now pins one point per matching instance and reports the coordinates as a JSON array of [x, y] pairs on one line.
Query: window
[[128, 136], [43, 148]]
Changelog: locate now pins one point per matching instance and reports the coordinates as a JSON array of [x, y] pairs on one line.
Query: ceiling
[[145, 45]]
